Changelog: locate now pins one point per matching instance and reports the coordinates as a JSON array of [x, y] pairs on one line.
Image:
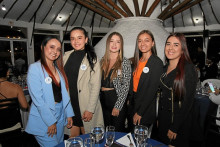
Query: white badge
[[146, 70], [48, 80], [118, 72], [83, 67]]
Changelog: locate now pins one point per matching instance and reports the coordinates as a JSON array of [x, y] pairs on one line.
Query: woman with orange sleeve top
[[146, 76]]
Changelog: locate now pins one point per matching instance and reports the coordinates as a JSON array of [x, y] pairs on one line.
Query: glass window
[[20, 56], [5, 51]]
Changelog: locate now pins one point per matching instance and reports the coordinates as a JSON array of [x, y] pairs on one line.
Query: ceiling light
[[60, 18], [196, 20], [3, 8]]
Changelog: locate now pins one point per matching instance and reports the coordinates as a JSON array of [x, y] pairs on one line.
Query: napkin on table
[[125, 141]]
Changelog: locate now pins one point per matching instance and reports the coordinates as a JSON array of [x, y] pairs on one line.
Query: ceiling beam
[[213, 12], [84, 17], [95, 4], [175, 9], [203, 15], [24, 10], [167, 8], [113, 13], [77, 15], [144, 7], [48, 11], [58, 12], [117, 8], [185, 7], [70, 14], [35, 13], [191, 14], [153, 6], [126, 8], [10, 8], [94, 9], [136, 7]]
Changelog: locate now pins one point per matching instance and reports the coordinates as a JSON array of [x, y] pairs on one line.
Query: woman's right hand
[[52, 130]]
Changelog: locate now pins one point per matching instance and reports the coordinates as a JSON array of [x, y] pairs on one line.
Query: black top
[[57, 92], [72, 68], [107, 83]]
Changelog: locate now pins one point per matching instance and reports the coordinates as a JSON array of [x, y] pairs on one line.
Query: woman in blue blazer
[[51, 109]]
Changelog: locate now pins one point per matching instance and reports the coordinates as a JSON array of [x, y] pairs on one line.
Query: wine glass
[[110, 135], [140, 135], [75, 142], [89, 142], [97, 133]]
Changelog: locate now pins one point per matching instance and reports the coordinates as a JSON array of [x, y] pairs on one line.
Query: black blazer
[[145, 98]]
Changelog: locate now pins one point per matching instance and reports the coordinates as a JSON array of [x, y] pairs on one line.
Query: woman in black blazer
[[146, 76], [178, 87]]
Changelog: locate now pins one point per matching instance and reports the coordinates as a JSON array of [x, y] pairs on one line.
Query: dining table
[[118, 135]]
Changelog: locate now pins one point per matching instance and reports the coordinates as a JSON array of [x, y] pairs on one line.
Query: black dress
[[72, 70], [182, 110], [108, 100]]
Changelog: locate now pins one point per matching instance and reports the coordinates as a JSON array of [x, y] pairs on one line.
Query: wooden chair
[[10, 123]]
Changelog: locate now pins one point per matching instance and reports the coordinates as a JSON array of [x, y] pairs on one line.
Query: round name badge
[[119, 72], [48, 80], [146, 70], [83, 67]]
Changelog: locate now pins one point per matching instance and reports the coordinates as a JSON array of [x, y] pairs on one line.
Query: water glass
[[75, 142], [97, 133], [140, 134], [110, 135], [89, 142]]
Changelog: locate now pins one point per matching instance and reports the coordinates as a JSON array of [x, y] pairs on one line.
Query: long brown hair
[[179, 85], [105, 60], [138, 53], [58, 62]]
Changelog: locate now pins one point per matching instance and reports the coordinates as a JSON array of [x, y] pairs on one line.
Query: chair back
[[10, 124], [10, 113]]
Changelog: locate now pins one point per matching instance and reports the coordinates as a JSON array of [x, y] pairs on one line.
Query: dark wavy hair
[[179, 86], [89, 49], [138, 53], [58, 62]]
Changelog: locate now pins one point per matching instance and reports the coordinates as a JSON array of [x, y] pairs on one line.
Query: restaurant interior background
[[24, 23]]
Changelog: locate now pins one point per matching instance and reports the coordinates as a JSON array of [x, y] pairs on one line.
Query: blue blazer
[[42, 112]]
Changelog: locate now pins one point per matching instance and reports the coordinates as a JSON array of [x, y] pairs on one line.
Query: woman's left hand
[[115, 112], [69, 122], [171, 135], [87, 116], [136, 119]]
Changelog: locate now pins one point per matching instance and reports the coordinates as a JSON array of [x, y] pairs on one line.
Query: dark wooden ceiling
[[103, 13]]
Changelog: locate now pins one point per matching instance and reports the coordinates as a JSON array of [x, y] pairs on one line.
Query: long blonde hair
[[105, 60]]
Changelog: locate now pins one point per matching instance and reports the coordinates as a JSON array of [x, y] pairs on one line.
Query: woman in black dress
[[178, 87], [115, 84]]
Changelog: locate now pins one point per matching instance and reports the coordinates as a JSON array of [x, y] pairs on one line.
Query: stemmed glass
[[98, 133], [89, 142], [75, 142], [140, 135], [110, 135]]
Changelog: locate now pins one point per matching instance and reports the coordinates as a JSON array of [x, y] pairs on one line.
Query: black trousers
[[108, 100]]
